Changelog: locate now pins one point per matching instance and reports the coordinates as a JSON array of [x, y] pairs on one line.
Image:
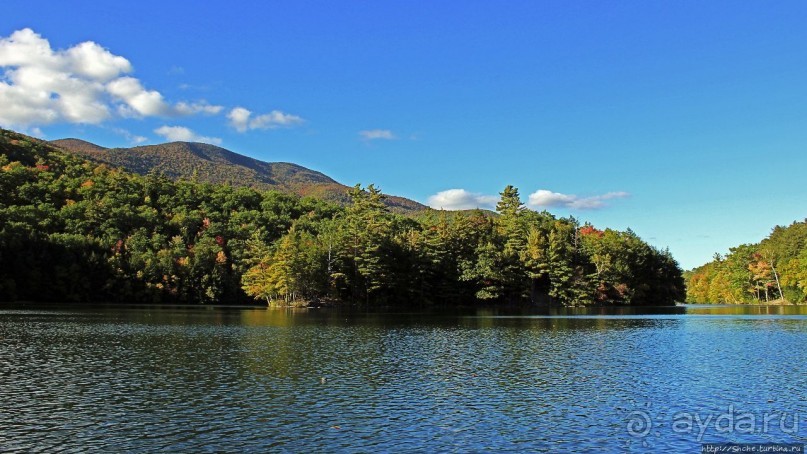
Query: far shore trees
[[774, 270]]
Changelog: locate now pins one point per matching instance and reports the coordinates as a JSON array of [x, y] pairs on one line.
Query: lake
[[324, 380]]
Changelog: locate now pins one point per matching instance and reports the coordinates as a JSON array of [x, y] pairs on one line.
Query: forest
[[774, 270], [76, 231]]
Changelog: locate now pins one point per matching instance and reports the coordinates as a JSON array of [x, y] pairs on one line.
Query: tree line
[[72, 230], [774, 269]]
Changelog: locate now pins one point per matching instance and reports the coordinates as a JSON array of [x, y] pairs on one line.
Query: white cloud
[[24, 47], [131, 138], [274, 119], [137, 100], [377, 134], [183, 134], [94, 62], [242, 120], [543, 198], [460, 199], [82, 84], [239, 118], [184, 108]]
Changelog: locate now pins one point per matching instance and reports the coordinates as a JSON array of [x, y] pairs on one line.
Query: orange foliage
[[587, 230]]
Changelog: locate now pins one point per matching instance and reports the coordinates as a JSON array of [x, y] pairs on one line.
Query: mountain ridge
[[218, 165]]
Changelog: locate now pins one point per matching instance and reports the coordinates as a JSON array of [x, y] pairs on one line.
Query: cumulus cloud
[[377, 134], [543, 198], [37, 85], [137, 101], [183, 134], [90, 60], [242, 120], [460, 199], [239, 118], [82, 84]]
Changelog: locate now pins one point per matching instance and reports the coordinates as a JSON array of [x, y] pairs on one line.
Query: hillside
[[212, 164], [75, 230], [773, 270]]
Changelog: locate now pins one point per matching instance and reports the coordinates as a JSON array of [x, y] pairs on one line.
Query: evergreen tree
[[369, 228], [71, 230]]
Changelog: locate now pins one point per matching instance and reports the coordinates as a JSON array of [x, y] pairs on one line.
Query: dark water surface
[[225, 379]]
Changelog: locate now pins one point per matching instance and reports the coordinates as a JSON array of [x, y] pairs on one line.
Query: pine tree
[[369, 231], [512, 235]]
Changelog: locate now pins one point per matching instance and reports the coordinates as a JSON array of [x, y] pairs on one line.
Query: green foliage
[[71, 230], [774, 269], [295, 269]]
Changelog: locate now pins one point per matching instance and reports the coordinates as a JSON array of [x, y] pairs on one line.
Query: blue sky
[[685, 121]]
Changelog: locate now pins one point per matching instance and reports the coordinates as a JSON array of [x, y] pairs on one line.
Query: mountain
[[72, 230], [78, 146], [212, 164]]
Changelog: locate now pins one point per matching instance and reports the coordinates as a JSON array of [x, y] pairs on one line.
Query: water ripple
[[253, 380]]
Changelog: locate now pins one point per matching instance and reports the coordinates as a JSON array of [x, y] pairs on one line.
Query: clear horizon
[[683, 122]]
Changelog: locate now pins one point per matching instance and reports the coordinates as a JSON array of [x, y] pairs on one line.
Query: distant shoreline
[[776, 302]]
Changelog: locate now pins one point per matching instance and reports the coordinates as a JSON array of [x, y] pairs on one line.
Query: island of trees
[[772, 271], [75, 231]]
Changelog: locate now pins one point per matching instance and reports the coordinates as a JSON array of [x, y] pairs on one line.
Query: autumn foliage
[[75, 230]]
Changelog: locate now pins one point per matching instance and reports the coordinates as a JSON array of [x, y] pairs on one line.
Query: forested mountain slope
[[75, 230], [212, 164]]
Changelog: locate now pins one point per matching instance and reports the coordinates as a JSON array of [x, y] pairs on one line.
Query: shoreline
[[335, 304]]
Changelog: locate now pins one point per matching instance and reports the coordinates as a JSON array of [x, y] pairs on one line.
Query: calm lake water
[[228, 379]]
